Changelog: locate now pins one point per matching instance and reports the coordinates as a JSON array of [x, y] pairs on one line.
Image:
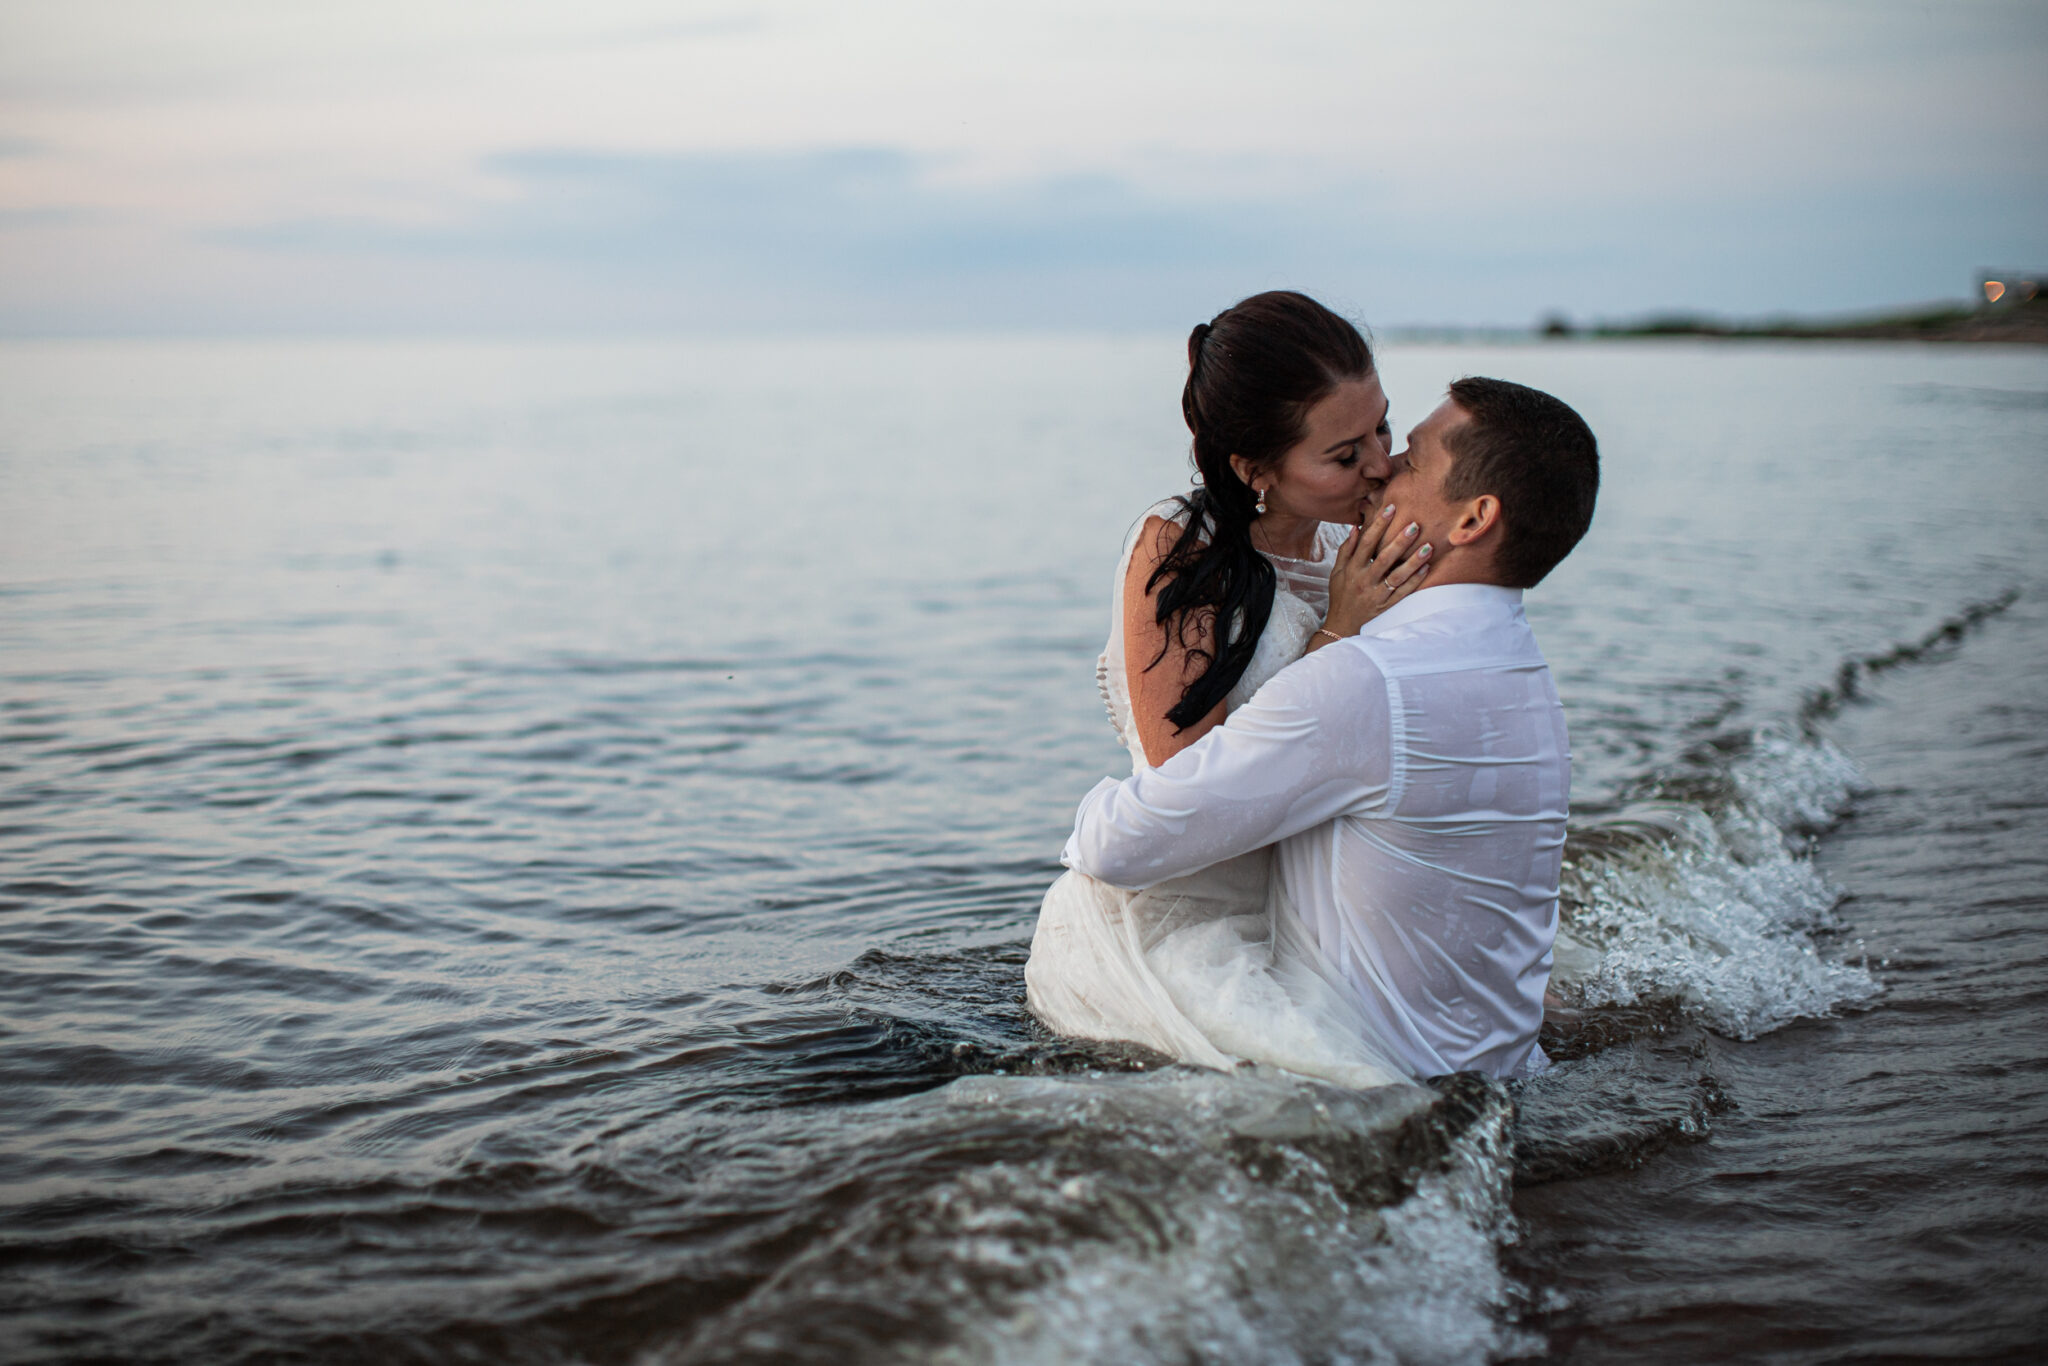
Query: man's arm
[[1311, 745]]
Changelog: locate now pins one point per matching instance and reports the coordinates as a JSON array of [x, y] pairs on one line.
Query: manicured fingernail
[[1412, 529], [1387, 511], [1423, 553]]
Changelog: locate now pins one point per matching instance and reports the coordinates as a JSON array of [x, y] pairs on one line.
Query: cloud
[[861, 210], [877, 236], [47, 215], [681, 30], [833, 235]]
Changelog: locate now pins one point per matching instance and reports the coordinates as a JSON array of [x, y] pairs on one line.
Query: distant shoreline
[[2024, 324]]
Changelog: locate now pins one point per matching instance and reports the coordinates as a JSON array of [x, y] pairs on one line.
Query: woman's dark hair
[[1254, 371]]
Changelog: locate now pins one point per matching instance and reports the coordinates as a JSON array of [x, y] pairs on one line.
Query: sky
[[409, 166]]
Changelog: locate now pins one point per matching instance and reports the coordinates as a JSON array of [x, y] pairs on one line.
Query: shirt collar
[[1447, 597]]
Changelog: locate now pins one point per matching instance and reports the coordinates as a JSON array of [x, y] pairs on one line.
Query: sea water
[[523, 851]]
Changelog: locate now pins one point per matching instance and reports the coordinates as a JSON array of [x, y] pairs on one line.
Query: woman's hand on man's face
[[1379, 564]]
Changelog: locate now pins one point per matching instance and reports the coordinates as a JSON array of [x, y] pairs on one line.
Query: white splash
[[1717, 909], [1284, 1272]]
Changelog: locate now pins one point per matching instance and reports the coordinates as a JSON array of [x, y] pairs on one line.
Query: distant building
[[2010, 288]]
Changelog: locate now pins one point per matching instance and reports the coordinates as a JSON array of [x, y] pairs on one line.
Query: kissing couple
[[1338, 850]]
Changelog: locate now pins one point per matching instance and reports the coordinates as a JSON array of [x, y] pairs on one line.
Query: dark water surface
[[521, 852], [1876, 1186]]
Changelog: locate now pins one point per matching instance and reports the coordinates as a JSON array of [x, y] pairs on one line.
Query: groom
[[1415, 775]]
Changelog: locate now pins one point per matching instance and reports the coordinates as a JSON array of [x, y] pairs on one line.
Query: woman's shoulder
[[1176, 510], [1156, 530]]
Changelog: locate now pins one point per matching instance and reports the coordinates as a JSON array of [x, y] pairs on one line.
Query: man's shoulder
[[1456, 641]]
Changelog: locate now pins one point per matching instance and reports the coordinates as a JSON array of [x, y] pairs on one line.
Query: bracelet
[[1324, 631]]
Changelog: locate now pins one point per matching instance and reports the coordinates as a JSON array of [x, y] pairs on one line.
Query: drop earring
[[1260, 506]]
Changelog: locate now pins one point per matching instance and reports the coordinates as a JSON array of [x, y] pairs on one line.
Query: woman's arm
[[1157, 690]]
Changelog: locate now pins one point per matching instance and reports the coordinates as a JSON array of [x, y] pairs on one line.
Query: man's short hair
[[1539, 458]]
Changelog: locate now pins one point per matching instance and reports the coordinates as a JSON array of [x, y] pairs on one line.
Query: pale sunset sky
[[224, 166]]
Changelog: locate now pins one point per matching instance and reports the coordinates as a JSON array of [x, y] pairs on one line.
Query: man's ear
[[1475, 520]]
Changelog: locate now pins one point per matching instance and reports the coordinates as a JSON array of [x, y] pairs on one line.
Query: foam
[[1286, 1271], [1712, 903]]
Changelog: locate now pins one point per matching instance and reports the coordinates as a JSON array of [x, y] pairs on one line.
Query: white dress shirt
[[1415, 779]]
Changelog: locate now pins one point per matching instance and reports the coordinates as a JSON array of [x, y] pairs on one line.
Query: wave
[[1714, 903], [1183, 1215], [1942, 640], [1701, 893]]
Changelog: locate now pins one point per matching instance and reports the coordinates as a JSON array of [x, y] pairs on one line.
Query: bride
[[1216, 593]]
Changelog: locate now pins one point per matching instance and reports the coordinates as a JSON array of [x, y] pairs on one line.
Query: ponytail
[[1254, 371]]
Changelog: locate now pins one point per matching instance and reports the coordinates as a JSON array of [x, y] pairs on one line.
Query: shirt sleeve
[[1314, 743]]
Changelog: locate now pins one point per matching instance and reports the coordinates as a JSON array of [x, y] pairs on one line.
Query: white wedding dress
[[1200, 968]]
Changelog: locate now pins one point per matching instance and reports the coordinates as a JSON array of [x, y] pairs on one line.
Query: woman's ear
[[1475, 519], [1243, 468]]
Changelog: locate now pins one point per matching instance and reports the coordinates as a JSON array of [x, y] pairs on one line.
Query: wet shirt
[[1414, 779]]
